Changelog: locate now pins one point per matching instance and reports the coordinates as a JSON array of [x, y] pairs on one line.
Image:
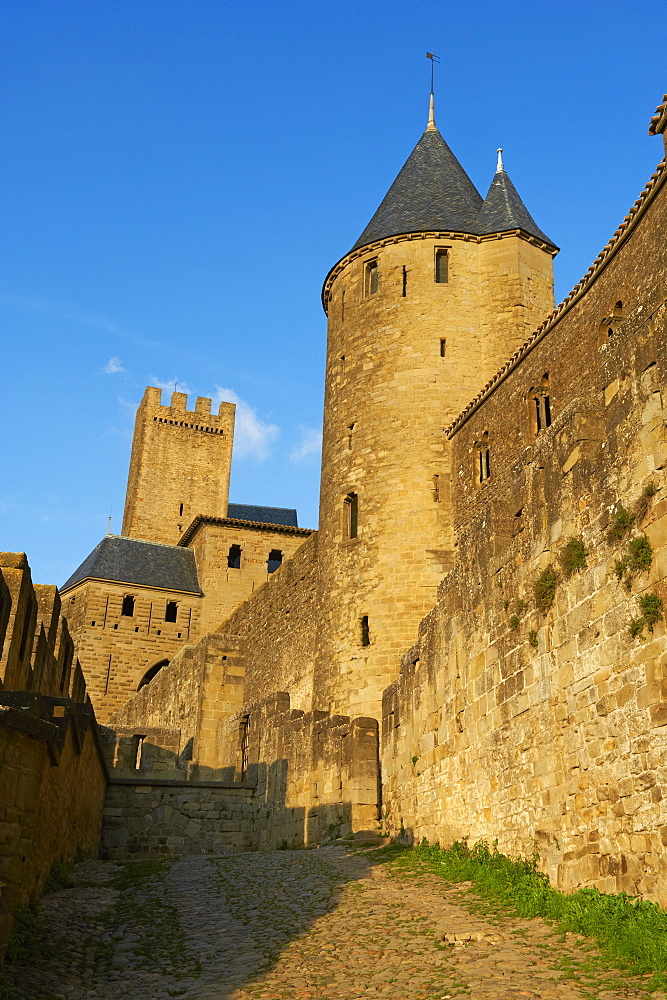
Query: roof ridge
[[609, 248]]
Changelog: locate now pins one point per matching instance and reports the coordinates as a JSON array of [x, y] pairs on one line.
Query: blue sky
[[179, 176]]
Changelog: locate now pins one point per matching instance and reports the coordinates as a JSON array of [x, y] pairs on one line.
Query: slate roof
[[147, 564], [503, 209], [264, 515], [432, 191]]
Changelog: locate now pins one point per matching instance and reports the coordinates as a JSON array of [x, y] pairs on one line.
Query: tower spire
[[499, 165], [431, 127]]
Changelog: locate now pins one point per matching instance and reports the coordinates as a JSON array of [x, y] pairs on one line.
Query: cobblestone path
[[327, 924]]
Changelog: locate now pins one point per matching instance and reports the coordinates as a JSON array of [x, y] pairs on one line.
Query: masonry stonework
[[180, 466]]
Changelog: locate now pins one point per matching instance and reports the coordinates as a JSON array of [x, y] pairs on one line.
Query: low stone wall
[[317, 775], [149, 818], [52, 785]]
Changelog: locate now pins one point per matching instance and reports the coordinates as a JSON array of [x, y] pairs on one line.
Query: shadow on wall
[[287, 779]]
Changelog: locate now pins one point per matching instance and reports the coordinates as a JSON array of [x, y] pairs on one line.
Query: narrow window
[[137, 747], [540, 396], [244, 739], [342, 306], [274, 561], [365, 634], [234, 557], [350, 432], [351, 511], [371, 283], [127, 609], [443, 348], [405, 281], [483, 458], [180, 511], [441, 266], [436, 489], [171, 611]]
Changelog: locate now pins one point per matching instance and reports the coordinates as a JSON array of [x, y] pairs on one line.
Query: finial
[[431, 127], [499, 165], [109, 525]]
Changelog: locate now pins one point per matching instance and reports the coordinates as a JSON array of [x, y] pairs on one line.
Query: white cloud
[[113, 366], [252, 437], [310, 443], [173, 385]]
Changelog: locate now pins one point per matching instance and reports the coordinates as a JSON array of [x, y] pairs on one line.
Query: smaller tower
[[180, 466]]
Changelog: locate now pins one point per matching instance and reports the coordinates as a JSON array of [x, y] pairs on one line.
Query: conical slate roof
[[503, 209], [431, 192]]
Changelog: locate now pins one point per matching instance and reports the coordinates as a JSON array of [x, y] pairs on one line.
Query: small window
[[365, 633], [441, 266], [127, 610], [443, 348], [180, 510], [436, 489], [234, 557], [171, 611], [274, 561], [371, 277], [244, 741], [542, 405], [483, 458], [405, 281], [137, 748], [351, 512]]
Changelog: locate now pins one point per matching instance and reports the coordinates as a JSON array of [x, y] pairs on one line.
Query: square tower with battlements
[[180, 466]]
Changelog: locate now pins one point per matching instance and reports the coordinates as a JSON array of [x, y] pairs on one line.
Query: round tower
[[439, 289]]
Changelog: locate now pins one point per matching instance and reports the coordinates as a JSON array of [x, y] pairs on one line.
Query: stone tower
[[438, 291], [180, 466]]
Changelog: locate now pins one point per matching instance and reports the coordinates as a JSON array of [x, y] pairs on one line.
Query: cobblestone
[[328, 924]]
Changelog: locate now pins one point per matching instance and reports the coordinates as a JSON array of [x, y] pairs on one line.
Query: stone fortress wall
[[52, 772], [550, 727]]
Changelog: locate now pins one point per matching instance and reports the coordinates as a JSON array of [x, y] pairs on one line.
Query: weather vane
[[434, 59]]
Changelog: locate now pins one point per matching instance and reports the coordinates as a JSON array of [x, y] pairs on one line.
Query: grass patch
[[545, 589], [651, 612], [640, 553], [532, 639], [621, 522], [643, 501], [572, 557], [27, 937], [631, 932], [514, 622]]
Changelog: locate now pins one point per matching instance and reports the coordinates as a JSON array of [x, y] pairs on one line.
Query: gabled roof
[[265, 515], [146, 564], [432, 192], [504, 210]]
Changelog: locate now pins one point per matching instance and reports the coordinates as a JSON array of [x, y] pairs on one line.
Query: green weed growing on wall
[[651, 608], [572, 557], [621, 522], [545, 589], [643, 501]]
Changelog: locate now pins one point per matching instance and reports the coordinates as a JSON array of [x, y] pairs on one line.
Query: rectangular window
[[365, 632], [441, 266], [351, 511], [274, 561], [171, 611], [127, 610], [234, 557], [244, 740], [371, 277], [443, 348]]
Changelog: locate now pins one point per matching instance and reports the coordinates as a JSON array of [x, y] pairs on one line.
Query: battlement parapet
[[178, 407]]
